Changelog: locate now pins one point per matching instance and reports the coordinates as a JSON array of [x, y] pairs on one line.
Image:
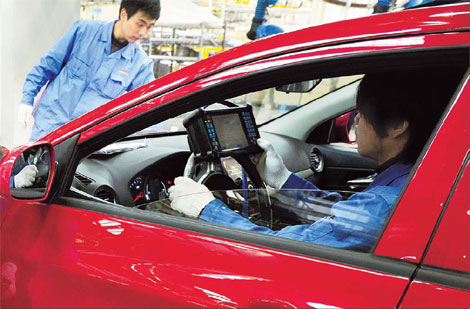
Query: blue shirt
[[353, 223], [82, 75]]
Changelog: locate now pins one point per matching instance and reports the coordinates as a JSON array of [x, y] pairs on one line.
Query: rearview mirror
[[30, 175], [301, 87]]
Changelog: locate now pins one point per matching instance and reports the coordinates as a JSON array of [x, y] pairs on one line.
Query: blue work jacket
[[353, 223], [82, 75]]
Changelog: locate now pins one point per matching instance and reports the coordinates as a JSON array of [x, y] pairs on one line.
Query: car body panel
[[455, 254], [405, 237], [424, 295], [73, 258]]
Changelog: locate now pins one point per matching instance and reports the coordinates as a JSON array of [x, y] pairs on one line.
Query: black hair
[[418, 96], [151, 8]]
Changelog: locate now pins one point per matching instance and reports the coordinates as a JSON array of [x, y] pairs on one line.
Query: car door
[[443, 279], [88, 253], [66, 257]]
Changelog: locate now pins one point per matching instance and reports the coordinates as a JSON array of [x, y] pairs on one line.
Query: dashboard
[[134, 172], [152, 183], [140, 171]]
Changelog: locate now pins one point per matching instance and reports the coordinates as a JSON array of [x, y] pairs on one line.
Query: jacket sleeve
[[218, 213], [295, 187], [299, 188], [50, 65], [354, 223]]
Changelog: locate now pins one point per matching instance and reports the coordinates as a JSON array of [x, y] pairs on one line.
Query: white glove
[[189, 197], [270, 166], [26, 177], [25, 115]]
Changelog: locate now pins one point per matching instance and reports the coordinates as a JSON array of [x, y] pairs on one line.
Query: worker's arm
[[50, 65]]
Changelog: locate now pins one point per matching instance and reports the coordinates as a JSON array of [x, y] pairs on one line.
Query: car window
[[287, 213], [324, 206], [292, 213], [267, 104], [270, 103]]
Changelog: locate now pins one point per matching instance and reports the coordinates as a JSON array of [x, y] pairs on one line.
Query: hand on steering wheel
[[189, 197], [215, 180], [26, 177]]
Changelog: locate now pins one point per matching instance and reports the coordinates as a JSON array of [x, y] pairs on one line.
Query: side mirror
[[31, 173], [301, 87]]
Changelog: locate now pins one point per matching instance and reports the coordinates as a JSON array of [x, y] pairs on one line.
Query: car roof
[[429, 20]]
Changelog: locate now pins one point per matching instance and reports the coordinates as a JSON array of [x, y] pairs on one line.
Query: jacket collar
[[391, 173], [387, 164], [126, 52]]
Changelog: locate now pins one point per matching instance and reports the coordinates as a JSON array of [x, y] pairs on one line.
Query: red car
[[95, 229]]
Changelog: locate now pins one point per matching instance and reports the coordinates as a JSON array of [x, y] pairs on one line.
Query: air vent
[[316, 160], [105, 193], [83, 179]]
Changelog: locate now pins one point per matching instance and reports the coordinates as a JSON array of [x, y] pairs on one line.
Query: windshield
[[267, 104]]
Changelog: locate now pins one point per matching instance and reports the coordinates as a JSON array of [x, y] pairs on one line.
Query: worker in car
[[397, 113], [93, 63]]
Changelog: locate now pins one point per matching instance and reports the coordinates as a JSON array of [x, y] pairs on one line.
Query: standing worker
[[93, 63]]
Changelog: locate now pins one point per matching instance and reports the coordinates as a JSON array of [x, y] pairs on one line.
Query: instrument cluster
[[146, 188]]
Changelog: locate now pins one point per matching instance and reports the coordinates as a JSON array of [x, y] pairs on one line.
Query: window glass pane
[[270, 103], [336, 219], [267, 103]]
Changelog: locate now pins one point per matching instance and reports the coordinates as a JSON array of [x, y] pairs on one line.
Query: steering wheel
[[210, 174], [207, 168]]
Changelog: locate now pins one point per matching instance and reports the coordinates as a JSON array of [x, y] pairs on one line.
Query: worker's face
[[369, 144], [136, 27]]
